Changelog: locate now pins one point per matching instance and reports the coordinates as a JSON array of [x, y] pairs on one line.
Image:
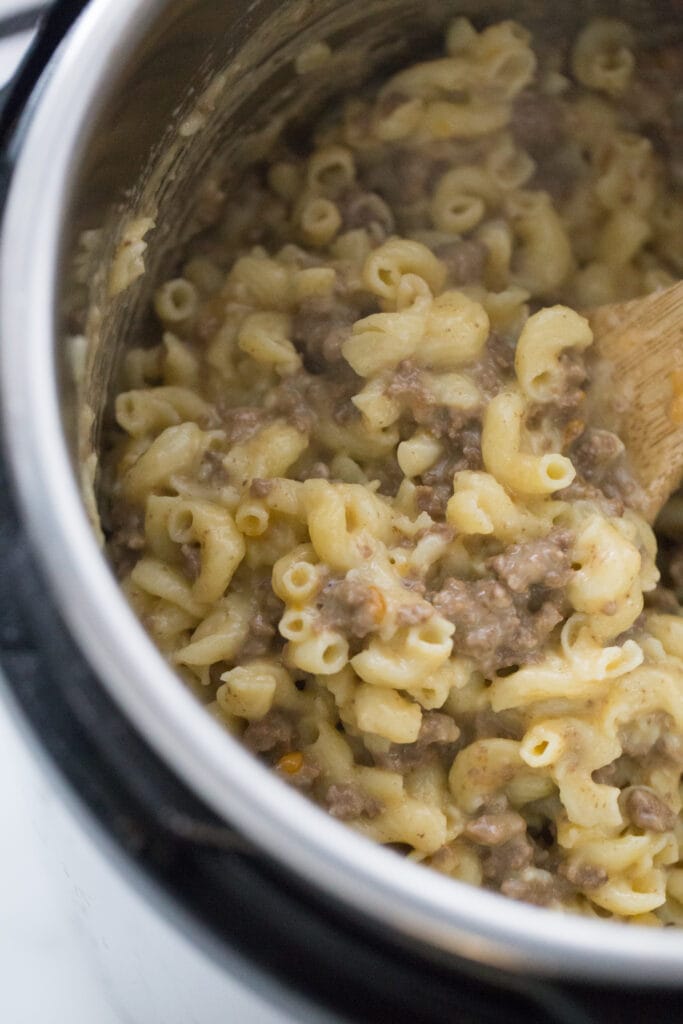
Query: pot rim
[[443, 913]]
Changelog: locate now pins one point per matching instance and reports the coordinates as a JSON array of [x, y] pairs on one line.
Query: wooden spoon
[[638, 388]]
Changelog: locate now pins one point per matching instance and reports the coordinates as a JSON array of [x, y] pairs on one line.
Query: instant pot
[[214, 869]]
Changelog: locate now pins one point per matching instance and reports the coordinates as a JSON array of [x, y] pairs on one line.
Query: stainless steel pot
[[125, 123]]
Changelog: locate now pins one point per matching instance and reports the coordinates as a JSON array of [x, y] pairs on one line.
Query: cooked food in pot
[[355, 495]]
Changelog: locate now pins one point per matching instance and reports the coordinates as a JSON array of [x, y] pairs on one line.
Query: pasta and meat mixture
[[354, 493]]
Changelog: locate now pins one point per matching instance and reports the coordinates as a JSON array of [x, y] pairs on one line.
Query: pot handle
[[21, 21], [51, 21]]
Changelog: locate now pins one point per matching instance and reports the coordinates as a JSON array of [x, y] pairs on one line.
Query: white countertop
[[44, 978], [43, 975]]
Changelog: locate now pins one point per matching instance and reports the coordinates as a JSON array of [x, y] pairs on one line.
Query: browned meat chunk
[[291, 399], [347, 801], [654, 100], [271, 733], [545, 561], [433, 500], [128, 525], [465, 260], [559, 172], [583, 875], [333, 395], [263, 634], [445, 859], [212, 470], [438, 733], [593, 451], [127, 538], [321, 327], [508, 858], [388, 473], [536, 886], [412, 614], [598, 456], [646, 810], [616, 773], [241, 422], [537, 122], [365, 210], [437, 727], [500, 349], [463, 435], [464, 453], [580, 490], [495, 829], [260, 488], [493, 625], [408, 177], [496, 364], [408, 385], [192, 560], [641, 734], [351, 606], [570, 393]]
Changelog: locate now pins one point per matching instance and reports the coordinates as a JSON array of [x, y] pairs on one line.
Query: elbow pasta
[[501, 442], [354, 493]]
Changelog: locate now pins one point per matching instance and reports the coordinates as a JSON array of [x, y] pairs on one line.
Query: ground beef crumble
[[291, 400], [494, 625], [191, 560], [545, 561], [351, 606], [495, 829], [496, 365], [366, 210], [646, 810], [538, 122], [580, 490], [212, 470], [348, 801], [263, 636], [465, 260], [260, 488], [436, 487], [582, 875], [273, 734], [437, 737], [126, 528], [505, 860], [410, 388], [536, 886], [240, 423], [320, 328], [433, 500], [593, 453]]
